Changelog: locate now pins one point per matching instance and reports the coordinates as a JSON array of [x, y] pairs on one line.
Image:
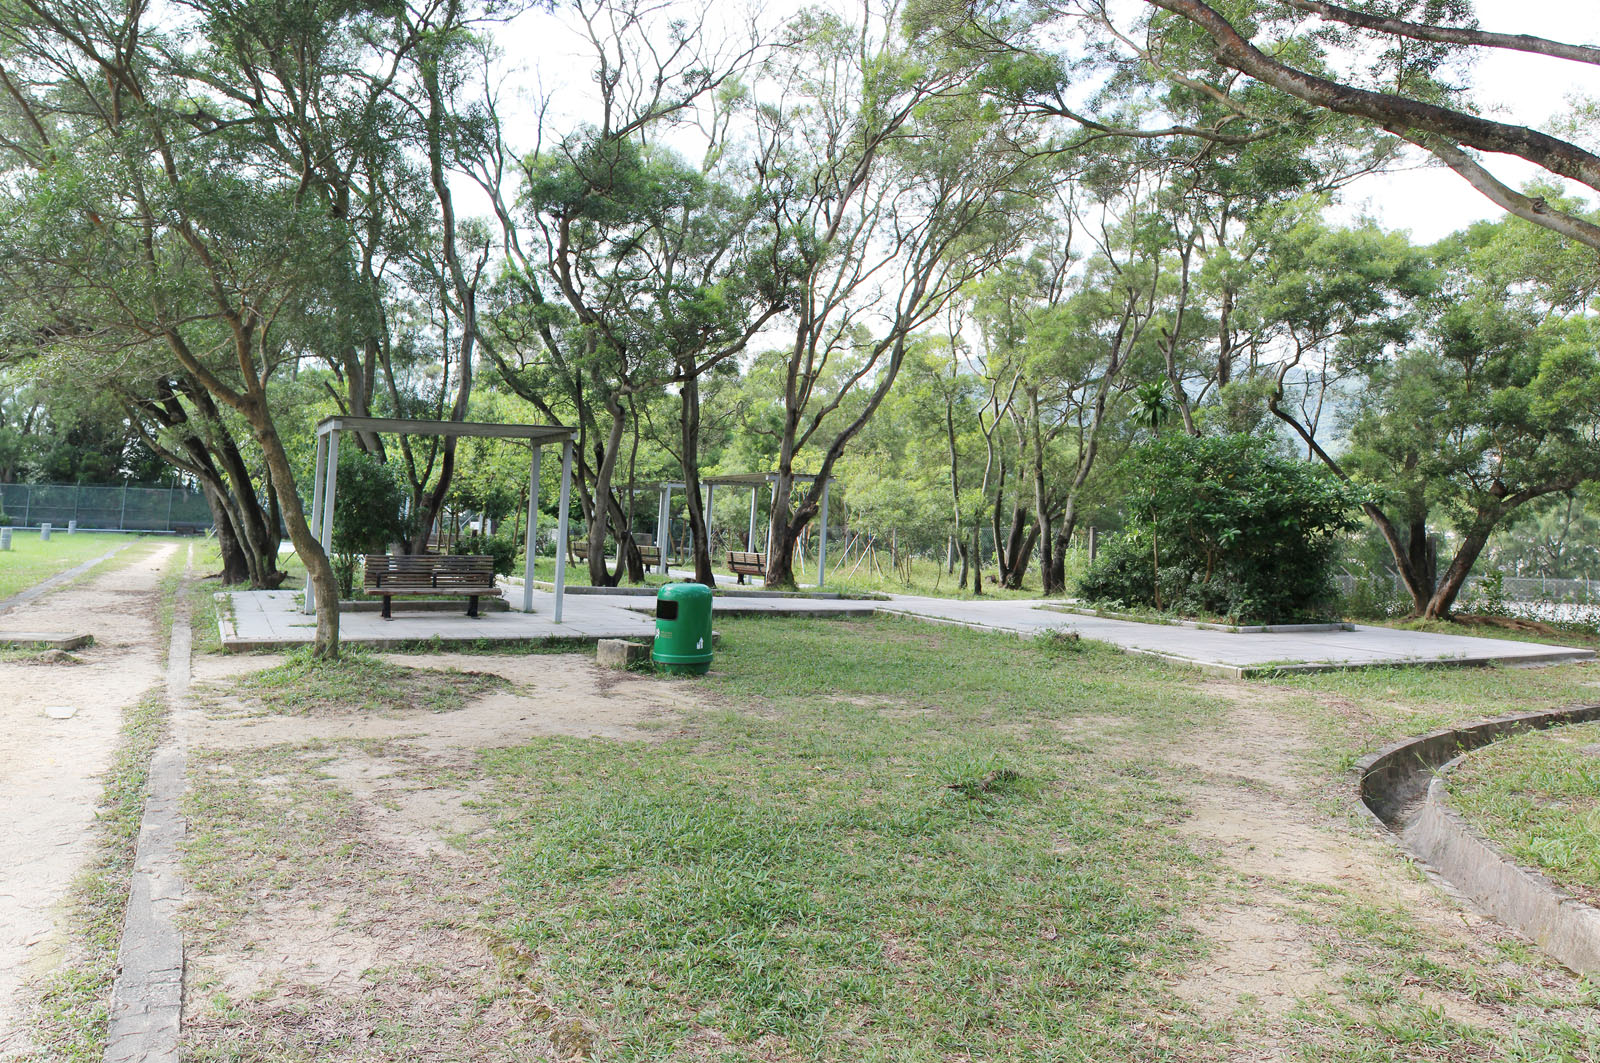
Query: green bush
[[1225, 526], [499, 547], [368, 510]]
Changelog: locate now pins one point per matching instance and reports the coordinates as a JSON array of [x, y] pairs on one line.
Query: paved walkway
[[266, 619], [272, 620], [1241, 653]]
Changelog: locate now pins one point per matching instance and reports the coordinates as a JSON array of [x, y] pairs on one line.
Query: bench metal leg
[[472, 606], [386, 600]]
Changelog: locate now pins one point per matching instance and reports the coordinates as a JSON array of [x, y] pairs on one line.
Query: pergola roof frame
[[326, 483]]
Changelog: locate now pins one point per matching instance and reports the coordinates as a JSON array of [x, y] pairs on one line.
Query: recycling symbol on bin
[[700, 643]]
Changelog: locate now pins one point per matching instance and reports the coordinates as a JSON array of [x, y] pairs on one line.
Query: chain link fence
[[125, 508], [1512, 588]]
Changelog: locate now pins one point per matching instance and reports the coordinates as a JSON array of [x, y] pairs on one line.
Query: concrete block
[[5, 538], [621, 653], [72, 527], [44, 533]]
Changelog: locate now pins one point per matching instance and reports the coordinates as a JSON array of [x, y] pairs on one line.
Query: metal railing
[[123, 508]]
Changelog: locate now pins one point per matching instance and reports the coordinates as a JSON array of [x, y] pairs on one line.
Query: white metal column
[[663, 522], [309, 604], [326, 538], [533, 529], [822, 543], [561, 526], [750, 539]]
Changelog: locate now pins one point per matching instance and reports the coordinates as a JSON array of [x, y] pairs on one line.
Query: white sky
[[544, 55]]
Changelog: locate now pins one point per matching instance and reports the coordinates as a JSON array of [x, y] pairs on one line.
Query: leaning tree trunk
[[320, 580], [235, 565], [1455, 577]]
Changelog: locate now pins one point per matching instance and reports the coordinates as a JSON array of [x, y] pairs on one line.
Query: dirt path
[[1284, 937], [61, 724], [343, 908]]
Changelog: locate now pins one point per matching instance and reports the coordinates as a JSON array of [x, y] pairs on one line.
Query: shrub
[[368, 513], [499, 547], [1225, 526]]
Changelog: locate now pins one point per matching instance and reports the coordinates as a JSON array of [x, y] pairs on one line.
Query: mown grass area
[[1537, 796], [1357, 711], [358, 682], [889, 845], [30, 561]]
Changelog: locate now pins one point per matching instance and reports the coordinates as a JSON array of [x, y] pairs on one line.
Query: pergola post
[[822, 542], [561, 525], [710, 488], [533, 529], [663, 525], [309, 605], [750, 539], [772, 507]]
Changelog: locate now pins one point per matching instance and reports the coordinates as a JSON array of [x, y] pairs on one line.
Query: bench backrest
[[747, 557], [445, 571]]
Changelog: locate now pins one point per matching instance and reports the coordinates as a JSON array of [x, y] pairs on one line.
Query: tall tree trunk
[[699, 539], [235, 566], [1455, 576]]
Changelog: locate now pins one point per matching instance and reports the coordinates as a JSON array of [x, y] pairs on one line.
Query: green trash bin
[[683, 628]]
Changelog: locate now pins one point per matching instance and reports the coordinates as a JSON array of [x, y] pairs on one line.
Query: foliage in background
[[368, 512], [500, 547], [1226, 526]]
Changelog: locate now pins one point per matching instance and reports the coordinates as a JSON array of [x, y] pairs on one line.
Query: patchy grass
[[358, 682], [887, 846], [1537, 796], [74, 1001], [30, 561]]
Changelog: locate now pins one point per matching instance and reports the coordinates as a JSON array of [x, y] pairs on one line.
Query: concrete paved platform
[[269, 620], [1243, 653]]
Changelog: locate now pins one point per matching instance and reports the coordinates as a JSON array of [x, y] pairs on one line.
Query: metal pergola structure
[[754, 481], [537, 436]]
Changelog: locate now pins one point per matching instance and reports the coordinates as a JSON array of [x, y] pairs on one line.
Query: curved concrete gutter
[[1402, 787]]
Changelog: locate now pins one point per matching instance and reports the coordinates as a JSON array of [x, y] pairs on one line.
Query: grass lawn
[[1537, 796], [30, 561]]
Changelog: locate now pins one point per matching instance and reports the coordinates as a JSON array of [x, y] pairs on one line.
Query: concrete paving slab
[[45, 640], [269, 620], [1243, 653]]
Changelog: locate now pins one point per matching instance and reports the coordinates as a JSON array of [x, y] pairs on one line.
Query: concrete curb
[[1560, 923], [146, 1015], [1400, 788], [1197, 625]]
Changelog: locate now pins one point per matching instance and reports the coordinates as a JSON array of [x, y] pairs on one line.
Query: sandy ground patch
[[50, 768], [1273, 948], [384, 951], [565, 694]]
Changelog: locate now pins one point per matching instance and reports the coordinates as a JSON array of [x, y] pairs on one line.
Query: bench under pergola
[[537, 435], [755, 481]]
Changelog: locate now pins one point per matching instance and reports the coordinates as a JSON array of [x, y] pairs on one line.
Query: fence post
[[169, 508], [122, 513], [27, 504]]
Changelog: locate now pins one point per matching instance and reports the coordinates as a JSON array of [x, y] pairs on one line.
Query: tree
[[1497, 407], [896, 186], [1401, 93]]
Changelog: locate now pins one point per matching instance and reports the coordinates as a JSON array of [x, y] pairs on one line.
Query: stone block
[[621, 653]]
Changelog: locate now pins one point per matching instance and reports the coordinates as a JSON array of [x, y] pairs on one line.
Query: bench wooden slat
[[747, 563], [469, 576]]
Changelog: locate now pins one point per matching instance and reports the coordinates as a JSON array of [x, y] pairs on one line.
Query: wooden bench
[[469, 576], [747, 563], [651, 555]]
